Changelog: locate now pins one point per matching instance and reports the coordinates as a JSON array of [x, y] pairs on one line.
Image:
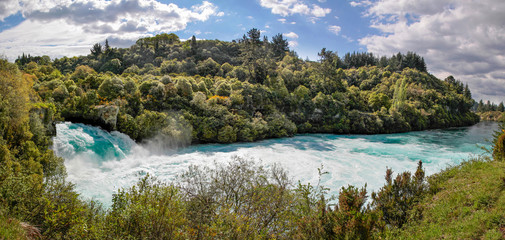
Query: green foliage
[[82, 72], [15, 91], [240, 200], [317, 218], [499, 143], [184, 88], [397, 198], [111, 88], [148, 210], [208, 67], [399, 95]]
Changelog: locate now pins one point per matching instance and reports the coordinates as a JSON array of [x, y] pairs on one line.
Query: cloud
[[55, 38], [114, 15], [8, 7], [291, 35], [290, 7], [362, 3], [293, 44], [461, 38], [335, 29], [119, 19]]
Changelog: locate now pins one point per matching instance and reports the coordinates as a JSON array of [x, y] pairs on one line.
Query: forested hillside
[[199, 91], [241, 200]]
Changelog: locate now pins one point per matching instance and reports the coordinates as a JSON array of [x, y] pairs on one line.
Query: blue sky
[[463, 38]]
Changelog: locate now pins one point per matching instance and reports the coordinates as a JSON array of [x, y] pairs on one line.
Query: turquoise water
[[99, 162]]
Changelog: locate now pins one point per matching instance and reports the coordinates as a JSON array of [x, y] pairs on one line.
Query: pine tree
[[96, 50], [501, 108], [467, 93], [480, 107], [279, 46]]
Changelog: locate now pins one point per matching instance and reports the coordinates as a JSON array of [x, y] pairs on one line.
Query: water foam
[[99, 162]]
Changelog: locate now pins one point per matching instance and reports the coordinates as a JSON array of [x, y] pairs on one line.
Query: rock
[[107, 114]]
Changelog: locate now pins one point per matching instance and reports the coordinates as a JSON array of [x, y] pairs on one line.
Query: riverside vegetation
[[236, 91], [490, 111]]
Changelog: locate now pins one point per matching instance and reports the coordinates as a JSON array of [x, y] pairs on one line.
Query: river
[[99, 162]]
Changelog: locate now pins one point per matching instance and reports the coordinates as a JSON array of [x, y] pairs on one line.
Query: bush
[[395, 199], [499, 143], [148, 210], [239, 200]]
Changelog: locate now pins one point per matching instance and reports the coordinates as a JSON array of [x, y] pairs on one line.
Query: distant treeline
[[488, 106], [154, 50]]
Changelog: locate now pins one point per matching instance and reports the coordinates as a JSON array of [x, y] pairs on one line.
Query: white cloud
[[118, 15], [8, 7], [362, 3], [282, 20], [335, 29], [291, 35], [349, 39], [293, 44], [460, 38], [94, 20], [55, 38], [319, 11], [290, 7]]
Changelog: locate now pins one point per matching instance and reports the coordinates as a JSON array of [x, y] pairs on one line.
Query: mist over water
[[100, 163]]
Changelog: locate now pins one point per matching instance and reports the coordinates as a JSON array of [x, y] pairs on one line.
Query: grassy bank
[[464, 202]]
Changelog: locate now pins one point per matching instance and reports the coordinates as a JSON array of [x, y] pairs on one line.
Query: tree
[[279, 46], [193, 45], [111, 88], [184, 88], [330, 62], [255, 56], [208, 67], [96, 51], [107, 47], [15, 94], [500, 108], [113, 65], [254, 36], [107, 50], [466, 92], [480, 106]]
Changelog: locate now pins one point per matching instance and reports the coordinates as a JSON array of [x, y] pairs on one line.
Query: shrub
[[395, 199]]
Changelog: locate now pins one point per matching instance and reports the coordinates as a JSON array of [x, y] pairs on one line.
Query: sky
[[463, 38]]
